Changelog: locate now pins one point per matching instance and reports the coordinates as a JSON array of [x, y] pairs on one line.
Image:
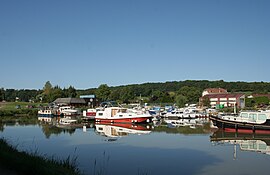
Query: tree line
[[180, 92]]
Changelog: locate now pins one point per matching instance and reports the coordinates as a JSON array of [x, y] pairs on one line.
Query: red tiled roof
[[224, 95], [216, 90]]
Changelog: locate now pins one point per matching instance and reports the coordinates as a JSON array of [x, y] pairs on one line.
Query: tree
[[103, 92], [2, 94], [181, 100], [115, 95], [47, 88], [206, 101], [126, 95], [70, 92], [191, 93]]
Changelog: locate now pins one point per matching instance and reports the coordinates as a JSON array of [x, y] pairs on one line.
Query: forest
[[181, 92]]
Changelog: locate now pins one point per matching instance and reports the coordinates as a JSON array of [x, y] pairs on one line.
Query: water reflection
[[259, 143], [116, 130], [192, 123], [184, 126], [22, 121]]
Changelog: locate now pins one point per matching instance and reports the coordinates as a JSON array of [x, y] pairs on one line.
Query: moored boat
[[90, 113], [185, 113], [121, 115], [67, 111], [246, 121], [46, 112]]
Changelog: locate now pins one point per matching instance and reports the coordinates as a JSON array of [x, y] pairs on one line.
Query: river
[[167, 147]]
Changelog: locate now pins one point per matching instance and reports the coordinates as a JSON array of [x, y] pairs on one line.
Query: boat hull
[[124, 120], [46, 115], [233, 126]]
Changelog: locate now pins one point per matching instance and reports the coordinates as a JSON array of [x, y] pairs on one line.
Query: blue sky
[[85, 43]]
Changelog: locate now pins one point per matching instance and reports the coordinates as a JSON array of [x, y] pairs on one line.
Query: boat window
[[244, 115], [120, 115], [123, 110], [252, 145], [252, 116], [100, 114], [262, 117], [244, 146], [262, 146]]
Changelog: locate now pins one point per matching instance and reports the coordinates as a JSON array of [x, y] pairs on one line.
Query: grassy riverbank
[[32, 163], [19, 108]]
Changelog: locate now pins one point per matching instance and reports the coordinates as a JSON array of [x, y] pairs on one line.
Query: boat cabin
[[249, 116]]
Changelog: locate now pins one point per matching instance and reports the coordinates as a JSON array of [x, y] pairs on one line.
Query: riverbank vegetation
[[32, 163], [19, 108]]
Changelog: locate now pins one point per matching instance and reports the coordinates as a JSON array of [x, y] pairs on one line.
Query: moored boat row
[[58, 111]]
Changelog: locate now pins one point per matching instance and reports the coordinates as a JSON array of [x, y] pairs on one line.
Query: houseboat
[[46, 112], [246, 121], [67, 111], [121, 115]]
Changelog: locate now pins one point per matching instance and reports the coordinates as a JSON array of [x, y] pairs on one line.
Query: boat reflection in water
[[259, 143], [117, 130], [192, 123]]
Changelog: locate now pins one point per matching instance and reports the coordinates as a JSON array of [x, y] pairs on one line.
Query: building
[[90, 100], [227, 100], [220, 96], [70, 101]]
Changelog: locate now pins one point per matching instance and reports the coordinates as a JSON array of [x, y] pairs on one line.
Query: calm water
[[157, 150]]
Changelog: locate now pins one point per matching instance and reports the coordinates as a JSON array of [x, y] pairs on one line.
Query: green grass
[[9, 108], [23, 105], [33, 163]]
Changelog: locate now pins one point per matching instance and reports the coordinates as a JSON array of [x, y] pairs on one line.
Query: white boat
[[188, 113], [67, 111], [46, 112], [90, 113], [121, 115]]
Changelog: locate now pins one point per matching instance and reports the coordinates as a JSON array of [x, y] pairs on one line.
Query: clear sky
[[85, 43]]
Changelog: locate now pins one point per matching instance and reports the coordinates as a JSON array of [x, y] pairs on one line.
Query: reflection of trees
[[48, 130], [21, 121], [2, 126]]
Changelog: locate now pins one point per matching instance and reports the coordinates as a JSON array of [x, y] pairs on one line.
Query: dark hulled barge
[[246, 121]]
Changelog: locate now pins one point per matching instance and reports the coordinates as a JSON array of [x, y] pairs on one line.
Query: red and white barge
[[121, 115]]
